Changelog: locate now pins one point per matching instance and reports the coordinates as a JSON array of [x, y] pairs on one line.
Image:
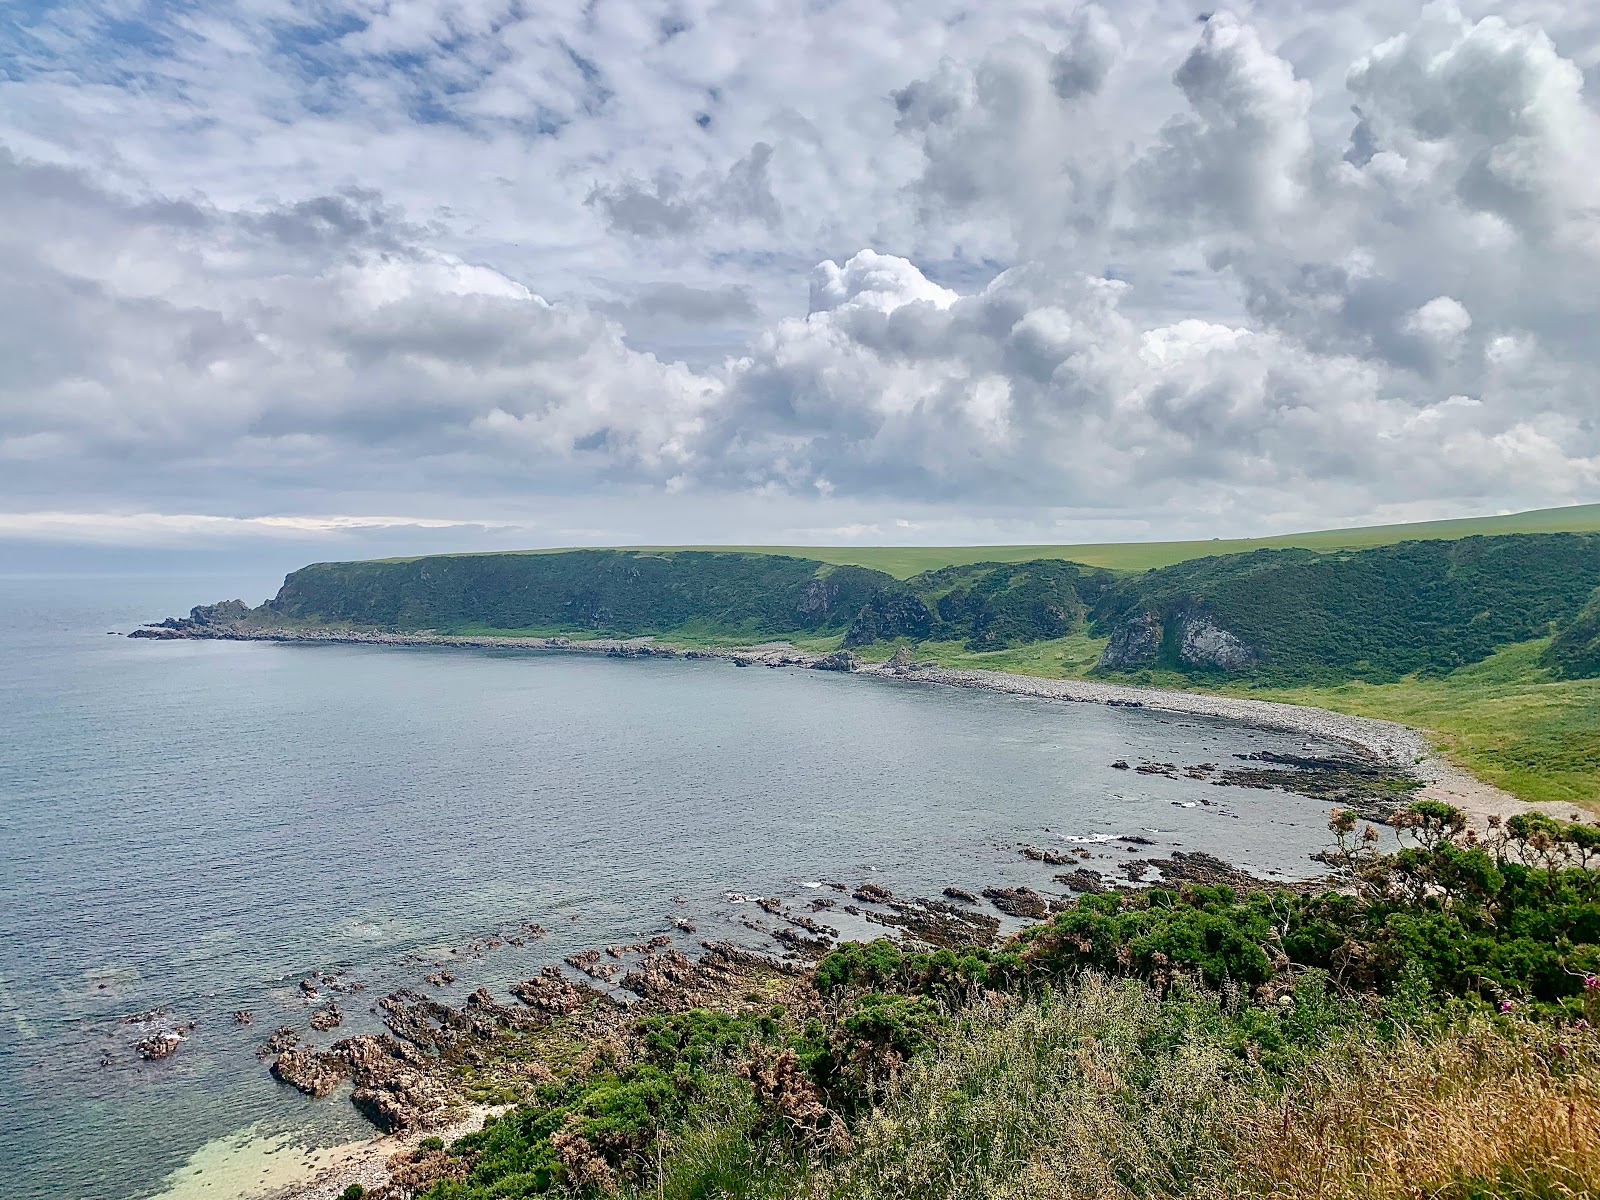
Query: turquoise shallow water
[[199, 825]]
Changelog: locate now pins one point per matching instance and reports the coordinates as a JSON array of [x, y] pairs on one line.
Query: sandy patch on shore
[[249, 1163], [364, 1162]]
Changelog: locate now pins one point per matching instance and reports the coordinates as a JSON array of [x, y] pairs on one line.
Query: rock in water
[[329, 1016], [1018, 901]]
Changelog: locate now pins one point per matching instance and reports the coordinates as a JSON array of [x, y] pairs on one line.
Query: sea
[[192, 828]]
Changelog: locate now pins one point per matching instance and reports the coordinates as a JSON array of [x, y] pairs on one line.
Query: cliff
[[1271, 615]]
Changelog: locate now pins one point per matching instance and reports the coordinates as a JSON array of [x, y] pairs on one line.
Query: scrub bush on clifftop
[[1427, 1033]]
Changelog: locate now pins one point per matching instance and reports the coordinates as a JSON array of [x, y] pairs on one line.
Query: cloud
[[186, 528], [684, 304], [668, 206], [1443, 321], [442, 258]]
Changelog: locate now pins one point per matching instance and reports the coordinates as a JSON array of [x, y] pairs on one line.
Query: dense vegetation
[[1290, 616], [1378, 614], [595, 591], [985, 606], [1428, 1034], [1574, 652]]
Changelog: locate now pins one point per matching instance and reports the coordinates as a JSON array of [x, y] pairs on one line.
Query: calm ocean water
[[198, 826]]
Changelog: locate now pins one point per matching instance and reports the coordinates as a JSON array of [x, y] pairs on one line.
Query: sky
[[340, 277]]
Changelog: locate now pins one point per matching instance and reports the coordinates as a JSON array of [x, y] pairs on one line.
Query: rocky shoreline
[[423, 1080], [429, 1071], [1394, 746]]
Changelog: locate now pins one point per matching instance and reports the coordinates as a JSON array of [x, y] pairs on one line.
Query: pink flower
[[1505, 1006], [1591, 983]]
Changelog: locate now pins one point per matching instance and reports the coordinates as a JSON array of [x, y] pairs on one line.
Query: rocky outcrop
[[839, 660], [329, 1016], [1018, 901], [552, 994], [203, 620], [395, 1083], [1135, 642], [159, 1045], [1199, 641], [1204, 643], [310, 1071], [889, 615]]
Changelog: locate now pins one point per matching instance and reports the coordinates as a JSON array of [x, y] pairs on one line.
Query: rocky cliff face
[[203, 619], [889, 615], [1137, 639], [1204, 643], [1135, 642]]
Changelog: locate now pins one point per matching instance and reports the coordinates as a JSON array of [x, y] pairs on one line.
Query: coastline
[[1391, 743]]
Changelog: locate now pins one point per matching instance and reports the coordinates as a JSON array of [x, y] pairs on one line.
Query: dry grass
[[1516, 1106], [1068, 1101]]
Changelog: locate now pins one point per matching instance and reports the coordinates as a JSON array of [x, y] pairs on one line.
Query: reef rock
[[159, 1045], [329, 1016], [1018, 901], [1135, 641], [309, 1071]]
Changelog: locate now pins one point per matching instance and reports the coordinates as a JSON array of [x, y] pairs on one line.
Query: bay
[[197, 826]]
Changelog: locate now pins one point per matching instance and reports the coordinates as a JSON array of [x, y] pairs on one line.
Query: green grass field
[[1503, 719], [905, 561]]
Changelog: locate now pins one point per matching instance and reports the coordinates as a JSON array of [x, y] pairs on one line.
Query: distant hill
[[588, 591], [906, 561], [1278, 616]]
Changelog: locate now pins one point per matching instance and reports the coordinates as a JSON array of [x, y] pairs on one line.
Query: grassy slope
[[906, 561], [1504, 719]]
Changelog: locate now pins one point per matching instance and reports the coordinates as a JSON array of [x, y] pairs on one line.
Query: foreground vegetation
[[1428, 1033]]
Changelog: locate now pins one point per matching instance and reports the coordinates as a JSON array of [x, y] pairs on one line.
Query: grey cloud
[[354, 221], [668, 206], [1302, 353], [1080, 67], [652, 210], [1242, 153], [684, 304]]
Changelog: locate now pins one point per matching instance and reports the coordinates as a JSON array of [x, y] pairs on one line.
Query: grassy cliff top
[[906, 561]]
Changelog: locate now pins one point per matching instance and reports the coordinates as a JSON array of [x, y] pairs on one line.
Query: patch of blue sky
[[93, 42], [315, 50], [595, 91]]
